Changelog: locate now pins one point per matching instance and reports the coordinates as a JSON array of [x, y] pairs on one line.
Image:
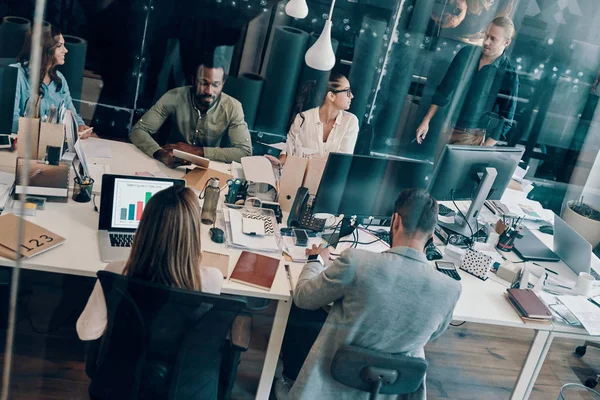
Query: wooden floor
[[468, 362]]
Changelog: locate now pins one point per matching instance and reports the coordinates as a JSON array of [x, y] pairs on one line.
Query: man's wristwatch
[[317, 258]]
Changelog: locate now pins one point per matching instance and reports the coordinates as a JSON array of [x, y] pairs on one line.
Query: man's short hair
[[211, 61], [418, 210], [506, 24]]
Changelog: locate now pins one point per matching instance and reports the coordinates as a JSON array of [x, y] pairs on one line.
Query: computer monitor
[[367, 186], [8, 86], [475, 173]]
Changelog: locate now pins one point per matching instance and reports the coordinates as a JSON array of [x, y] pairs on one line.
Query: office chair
[[163, 343], [376, 372]]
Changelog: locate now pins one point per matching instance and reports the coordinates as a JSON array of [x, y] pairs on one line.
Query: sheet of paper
[[258, 169], [298, 253], [237, 170], [518, 204], [96, 148], [266, 243], [586, 312], [279, 146]]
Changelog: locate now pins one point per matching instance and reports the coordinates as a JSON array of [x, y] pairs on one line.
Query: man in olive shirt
[[206, 122]]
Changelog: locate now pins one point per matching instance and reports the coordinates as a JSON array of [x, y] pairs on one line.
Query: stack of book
[[529, 306]]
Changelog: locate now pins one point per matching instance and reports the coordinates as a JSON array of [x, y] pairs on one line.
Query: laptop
[[571, 247], [122, 201], [530, 248], [568, 245]]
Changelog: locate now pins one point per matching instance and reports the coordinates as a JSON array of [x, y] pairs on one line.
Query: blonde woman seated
[[325, 129], [166, 250]]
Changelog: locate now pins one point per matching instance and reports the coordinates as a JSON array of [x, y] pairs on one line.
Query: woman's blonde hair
[[166, 248]]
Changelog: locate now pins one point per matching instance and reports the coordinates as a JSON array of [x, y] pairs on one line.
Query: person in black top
[[484, 79]]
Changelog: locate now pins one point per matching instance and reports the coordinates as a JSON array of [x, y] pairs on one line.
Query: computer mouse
[[432, 253], [216, 235], [547, 229]]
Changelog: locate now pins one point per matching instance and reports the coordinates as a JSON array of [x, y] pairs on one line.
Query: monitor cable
[[464, 217]]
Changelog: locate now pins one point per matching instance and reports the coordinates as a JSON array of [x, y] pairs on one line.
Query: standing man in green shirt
[[206, 122]]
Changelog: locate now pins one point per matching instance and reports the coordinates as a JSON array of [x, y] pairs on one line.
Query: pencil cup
[[82, 192]]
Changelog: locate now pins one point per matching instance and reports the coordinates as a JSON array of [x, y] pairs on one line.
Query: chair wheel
[[591, 383], [580, 350]]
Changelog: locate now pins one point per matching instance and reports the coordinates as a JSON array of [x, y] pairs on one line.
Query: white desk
[[484, 302], [79, 255], [480, 302]]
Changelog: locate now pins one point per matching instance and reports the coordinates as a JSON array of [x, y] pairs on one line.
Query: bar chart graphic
[[130, 199]]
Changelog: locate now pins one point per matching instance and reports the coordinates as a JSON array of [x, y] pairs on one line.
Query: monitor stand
[[461, 224]]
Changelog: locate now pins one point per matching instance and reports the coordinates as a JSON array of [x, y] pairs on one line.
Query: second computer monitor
[[367, 186], [459, 171]]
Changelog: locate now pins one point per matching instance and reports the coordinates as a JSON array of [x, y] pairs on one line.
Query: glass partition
[[400, 57]]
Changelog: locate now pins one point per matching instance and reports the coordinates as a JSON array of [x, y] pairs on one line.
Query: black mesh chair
[[376, 372], [163, 343]]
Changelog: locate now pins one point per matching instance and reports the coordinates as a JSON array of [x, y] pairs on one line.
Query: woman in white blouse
[[325, 129], [166, 250]]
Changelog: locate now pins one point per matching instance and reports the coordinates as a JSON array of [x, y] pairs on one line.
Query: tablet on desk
[[194, 159]]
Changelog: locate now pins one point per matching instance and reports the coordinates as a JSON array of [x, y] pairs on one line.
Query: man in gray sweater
[[393, 302]]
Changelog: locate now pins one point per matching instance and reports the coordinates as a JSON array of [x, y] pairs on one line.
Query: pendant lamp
[[297, 9], [320, 56]]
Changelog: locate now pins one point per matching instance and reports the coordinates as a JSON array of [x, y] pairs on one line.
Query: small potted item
[[585, 219]]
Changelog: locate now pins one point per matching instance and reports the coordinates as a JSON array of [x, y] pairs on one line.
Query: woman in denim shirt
[[53, 89]]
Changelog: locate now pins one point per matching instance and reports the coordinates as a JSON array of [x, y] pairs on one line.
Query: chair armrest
[[91, 357], [240, 331]]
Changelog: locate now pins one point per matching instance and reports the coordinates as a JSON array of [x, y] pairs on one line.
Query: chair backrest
[[160, 342], [355, 367]]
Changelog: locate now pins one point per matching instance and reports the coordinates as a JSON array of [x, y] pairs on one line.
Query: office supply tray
[[260, 213]]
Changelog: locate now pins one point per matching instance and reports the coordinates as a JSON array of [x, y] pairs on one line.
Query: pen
[[549, 270], [289, 276], [86, 131]]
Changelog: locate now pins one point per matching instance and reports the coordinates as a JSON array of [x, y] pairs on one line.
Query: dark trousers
[[302, 330]]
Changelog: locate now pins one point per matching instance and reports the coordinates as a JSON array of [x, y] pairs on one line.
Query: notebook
[[255, 270], [529, 304], [36, 239], [216, 260]]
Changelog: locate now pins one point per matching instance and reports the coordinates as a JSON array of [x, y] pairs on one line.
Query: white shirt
[[306, 137], [92, 321]]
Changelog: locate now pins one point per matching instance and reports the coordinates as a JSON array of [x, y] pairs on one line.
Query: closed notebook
[[36, 239], [255, 270], [529, 304], [215, 260]]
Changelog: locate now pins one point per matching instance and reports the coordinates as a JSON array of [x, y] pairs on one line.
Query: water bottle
[[211, 199]]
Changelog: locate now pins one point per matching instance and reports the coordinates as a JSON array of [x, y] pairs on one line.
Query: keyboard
[[121, 239], [383, 235], [443, 211], [307, 221]]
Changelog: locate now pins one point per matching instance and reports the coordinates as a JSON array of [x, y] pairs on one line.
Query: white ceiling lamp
[[320, 56], [296, 9]]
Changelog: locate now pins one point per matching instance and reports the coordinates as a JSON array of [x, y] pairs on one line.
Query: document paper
[[586, 312]]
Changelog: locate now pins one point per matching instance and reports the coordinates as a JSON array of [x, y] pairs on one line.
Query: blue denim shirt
[[51, 97]]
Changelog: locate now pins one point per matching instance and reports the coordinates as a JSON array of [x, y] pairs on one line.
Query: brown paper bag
[[314, 173], [50, 135], [291, 179], [29, 131]]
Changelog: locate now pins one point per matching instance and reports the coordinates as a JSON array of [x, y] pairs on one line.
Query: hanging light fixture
[[320, 56], [297, 9]]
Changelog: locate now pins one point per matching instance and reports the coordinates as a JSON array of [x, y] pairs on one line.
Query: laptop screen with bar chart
[[124, 198], [130, 199]]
